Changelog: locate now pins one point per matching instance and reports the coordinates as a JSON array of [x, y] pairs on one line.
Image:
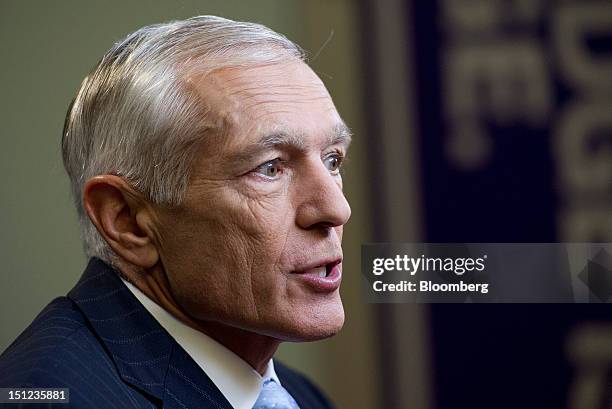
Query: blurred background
[[474, 121]]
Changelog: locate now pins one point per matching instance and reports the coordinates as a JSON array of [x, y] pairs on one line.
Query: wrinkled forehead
[[262, 83], [248, 102]]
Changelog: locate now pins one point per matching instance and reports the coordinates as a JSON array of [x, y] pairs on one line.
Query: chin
[[314, 325]]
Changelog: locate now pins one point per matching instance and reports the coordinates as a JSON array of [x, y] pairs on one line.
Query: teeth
[[320, 271]]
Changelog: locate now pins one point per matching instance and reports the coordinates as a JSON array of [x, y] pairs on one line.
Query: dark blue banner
[[514, 104]]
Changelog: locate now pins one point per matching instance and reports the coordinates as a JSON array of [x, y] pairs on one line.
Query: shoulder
[[300, 387], [58, 350], [55, 340], [50, 330]]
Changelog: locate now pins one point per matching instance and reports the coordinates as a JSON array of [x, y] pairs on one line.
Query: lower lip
[[325, 284]]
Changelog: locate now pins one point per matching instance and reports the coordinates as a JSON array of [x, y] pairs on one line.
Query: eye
[[269, 169], [333, 163]]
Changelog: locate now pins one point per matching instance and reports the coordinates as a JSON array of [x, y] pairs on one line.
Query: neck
[[253, 348]]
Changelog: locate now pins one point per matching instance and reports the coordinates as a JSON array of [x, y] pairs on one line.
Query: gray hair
[[135, 116]]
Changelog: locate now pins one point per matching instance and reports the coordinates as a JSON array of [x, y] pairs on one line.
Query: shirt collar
[[235, 378]]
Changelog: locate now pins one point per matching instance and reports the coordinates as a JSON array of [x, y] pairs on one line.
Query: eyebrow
[[339, 135]]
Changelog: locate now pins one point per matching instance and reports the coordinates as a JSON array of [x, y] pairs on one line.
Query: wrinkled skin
[[229, 250]]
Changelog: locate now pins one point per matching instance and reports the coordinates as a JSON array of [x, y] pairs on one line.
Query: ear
[[122, 218]]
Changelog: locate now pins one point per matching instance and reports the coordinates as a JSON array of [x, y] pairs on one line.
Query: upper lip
[[322, 262]]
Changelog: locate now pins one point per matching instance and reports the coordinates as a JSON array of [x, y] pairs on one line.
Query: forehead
[[249, 102]]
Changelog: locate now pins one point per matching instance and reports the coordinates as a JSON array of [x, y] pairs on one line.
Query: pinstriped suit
[[100, 342]]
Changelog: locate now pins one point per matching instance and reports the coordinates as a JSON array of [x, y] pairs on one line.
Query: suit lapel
[[187, 386], [145, 355]]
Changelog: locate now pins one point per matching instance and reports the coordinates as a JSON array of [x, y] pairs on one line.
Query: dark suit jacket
[[103, 345]]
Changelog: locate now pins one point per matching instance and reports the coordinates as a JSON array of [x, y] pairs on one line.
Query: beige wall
[[47, 48]]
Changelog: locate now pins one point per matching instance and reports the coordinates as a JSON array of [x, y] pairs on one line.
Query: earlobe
[[113, 207]]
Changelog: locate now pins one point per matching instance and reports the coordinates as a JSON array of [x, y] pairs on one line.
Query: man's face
[[256, 243]]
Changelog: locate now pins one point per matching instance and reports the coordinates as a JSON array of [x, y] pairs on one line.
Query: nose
[[321, 202]]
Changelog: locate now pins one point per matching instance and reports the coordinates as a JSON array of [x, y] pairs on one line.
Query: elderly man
[[204, 157]]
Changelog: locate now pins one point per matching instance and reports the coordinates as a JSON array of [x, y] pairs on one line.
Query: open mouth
[[324, 278], [322, 271], [323, 275]]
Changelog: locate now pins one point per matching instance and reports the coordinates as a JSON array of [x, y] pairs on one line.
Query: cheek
[[264, 223], [339, 230], [239, 228], [232, 250], [265, 227], [267, 237]]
